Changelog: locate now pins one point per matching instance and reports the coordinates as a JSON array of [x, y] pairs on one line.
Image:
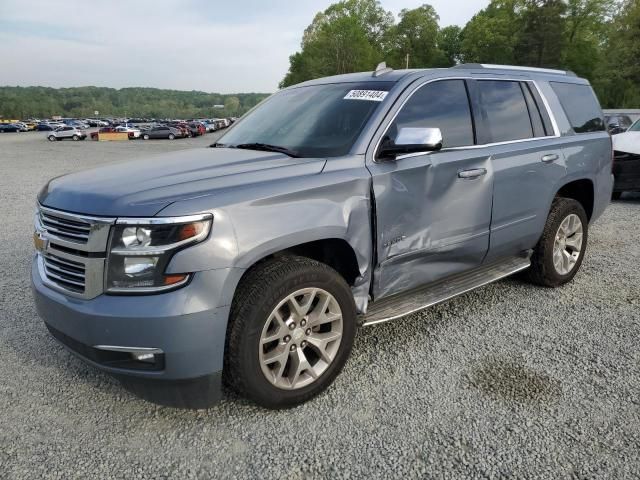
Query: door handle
[[473, 173], [551, 157]]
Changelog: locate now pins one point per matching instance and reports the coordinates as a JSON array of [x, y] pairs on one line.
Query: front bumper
[[626, 170], [187, 325]]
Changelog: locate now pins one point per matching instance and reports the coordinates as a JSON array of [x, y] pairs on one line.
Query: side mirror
[[413, 140]]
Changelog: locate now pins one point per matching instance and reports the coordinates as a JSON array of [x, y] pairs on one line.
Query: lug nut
[[308, 331], [303, 344], [303, 322], [293, 347], [292, 326], [287, 339]]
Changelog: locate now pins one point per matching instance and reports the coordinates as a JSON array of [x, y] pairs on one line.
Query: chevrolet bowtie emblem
[[39, 242]]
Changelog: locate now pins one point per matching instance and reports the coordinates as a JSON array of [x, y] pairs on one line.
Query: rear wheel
[[559, 253], [291, 330]]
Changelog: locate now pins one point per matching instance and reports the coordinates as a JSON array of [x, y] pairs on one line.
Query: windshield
[[635, 127], [314, 121]]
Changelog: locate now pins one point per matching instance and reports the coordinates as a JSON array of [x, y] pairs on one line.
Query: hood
[[143, 187], [628, 142]]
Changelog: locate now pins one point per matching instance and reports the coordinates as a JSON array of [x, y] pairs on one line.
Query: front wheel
[[559, 253], [52, 138], [145, 137], [291, 330], [75, 138], [172, 136]]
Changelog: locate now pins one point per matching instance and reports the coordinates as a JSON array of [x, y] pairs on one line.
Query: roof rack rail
[[515, 67], [381, 69]]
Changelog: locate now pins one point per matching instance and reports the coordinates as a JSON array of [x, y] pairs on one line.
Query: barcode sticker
[[368, 95]]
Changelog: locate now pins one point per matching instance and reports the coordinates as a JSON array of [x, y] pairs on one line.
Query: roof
[[394, 76]]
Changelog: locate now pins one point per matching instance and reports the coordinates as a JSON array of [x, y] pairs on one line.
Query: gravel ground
[[509, 381]]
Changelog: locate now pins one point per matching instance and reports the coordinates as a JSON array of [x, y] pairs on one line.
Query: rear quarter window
[[581, 106]]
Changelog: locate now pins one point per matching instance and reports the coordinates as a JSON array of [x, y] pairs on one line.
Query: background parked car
[[66, 132], [617, 123], [9, 127], [133, 132], [162, 132], [626, 161]]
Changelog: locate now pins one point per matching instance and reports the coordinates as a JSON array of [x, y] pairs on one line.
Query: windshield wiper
[[265, 147], [218, 145]]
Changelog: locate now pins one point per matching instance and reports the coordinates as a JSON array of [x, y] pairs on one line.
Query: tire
[[544, 270], [145, 137], [75, 138], [52, 138], [616, 195], [266, 289], [172, 136]]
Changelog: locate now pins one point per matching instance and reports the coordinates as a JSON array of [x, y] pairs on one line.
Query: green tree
[[541, 41], [449, 43], [232, 105], [619, 74], [492, 35], [345, 38], [415, 39]]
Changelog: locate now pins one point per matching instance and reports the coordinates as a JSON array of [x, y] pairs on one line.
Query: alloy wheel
[[568, 244], [300, 338]]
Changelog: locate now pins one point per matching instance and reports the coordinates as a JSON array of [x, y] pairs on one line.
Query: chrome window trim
[[545, 102], [552, 117]]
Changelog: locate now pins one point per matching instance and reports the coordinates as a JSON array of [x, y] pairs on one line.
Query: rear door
[[527, 160]]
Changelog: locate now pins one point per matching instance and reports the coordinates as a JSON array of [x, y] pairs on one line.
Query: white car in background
[[134, 131], [66, 132], [626, 161], [628, 141]]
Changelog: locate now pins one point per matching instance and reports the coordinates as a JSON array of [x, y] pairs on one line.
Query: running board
[[403, 304]]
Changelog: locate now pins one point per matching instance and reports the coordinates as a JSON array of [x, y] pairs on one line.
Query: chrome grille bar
[[72, 256]]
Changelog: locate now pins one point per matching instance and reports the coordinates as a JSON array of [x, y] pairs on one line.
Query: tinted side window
[[442, 104], [581, 106], [506, 110], [534, 112]]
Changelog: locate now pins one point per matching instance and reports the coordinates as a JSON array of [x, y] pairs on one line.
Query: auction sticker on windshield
[[369, 95]]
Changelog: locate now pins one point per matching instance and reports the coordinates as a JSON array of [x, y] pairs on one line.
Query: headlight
[[141, 248]]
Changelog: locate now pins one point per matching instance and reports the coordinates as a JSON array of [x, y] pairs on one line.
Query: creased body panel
[[431, 223], [277, 215]]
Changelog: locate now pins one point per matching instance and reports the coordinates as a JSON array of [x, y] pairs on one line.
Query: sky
[[213, 46]]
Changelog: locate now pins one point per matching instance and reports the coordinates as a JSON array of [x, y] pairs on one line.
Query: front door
[[433, 210]]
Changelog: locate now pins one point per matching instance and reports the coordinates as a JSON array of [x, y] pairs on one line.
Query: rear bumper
[[188, 326]]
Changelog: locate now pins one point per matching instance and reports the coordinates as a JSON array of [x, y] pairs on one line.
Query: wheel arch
[[334, 251], [583, 191]]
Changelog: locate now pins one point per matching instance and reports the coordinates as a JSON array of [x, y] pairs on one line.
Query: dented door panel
[[432, 220]]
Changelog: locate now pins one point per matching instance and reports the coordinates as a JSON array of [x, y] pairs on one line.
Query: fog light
[[144, 357]]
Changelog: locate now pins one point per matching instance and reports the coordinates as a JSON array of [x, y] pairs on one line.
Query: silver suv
[[337, 203], [66, 132]]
